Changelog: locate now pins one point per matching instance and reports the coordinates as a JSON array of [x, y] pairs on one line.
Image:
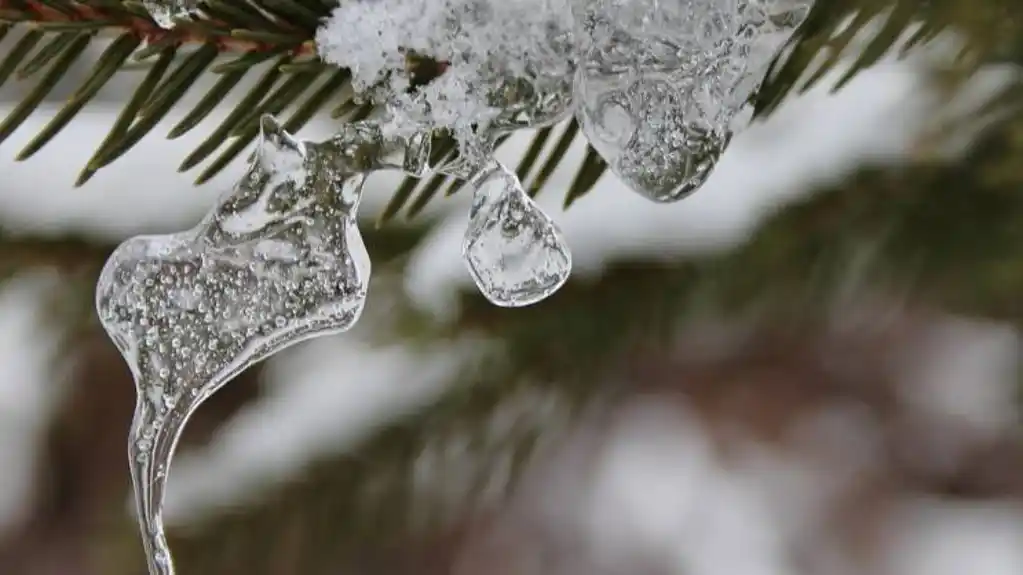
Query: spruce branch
[[231, 40], [113, 19]]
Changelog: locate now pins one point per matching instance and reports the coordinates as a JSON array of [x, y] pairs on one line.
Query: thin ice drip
[[279, 260]]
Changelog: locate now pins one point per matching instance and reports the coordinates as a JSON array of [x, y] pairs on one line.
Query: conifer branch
[[113, 19], [231, 39]]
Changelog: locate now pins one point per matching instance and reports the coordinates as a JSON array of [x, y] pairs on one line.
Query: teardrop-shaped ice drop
[[649, 141], [278, 260], [662, 85], [515, 252], [164, 12]]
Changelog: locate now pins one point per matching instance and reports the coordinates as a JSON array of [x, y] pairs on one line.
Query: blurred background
[[810, 367]]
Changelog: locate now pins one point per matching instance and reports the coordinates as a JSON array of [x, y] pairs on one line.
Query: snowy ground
[[326, 401]]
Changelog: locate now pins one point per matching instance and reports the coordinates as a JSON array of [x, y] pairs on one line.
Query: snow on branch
[[481, 43]]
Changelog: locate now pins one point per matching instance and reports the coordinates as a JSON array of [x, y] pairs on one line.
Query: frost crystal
[[278, 260], [515, 252], [663, 84], [508, 63]]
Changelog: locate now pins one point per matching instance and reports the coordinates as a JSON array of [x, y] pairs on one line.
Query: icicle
[[277, 261], [664, 84], [164, 12], [515, 252]]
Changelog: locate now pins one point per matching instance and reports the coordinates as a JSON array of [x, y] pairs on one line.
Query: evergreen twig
[[232, 39]]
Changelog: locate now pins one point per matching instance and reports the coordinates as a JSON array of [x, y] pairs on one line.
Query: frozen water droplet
[[649, 140], [164, 12], [515, 252], [278, 260], [662, 85]]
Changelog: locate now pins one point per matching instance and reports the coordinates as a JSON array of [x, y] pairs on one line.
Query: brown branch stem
[[35, 14]]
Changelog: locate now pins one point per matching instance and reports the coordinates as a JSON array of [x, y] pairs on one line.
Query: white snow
[[30, 389], [372, 36], [963, 350], [661, 488], [476, 38], [952, 538], [962, 380], [141, 193], [320, 397]]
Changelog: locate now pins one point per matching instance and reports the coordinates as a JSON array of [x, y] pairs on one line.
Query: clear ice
[[515, 252], [278, 260], [517, 103], [662, 85], [363, 147], [164, 12]]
